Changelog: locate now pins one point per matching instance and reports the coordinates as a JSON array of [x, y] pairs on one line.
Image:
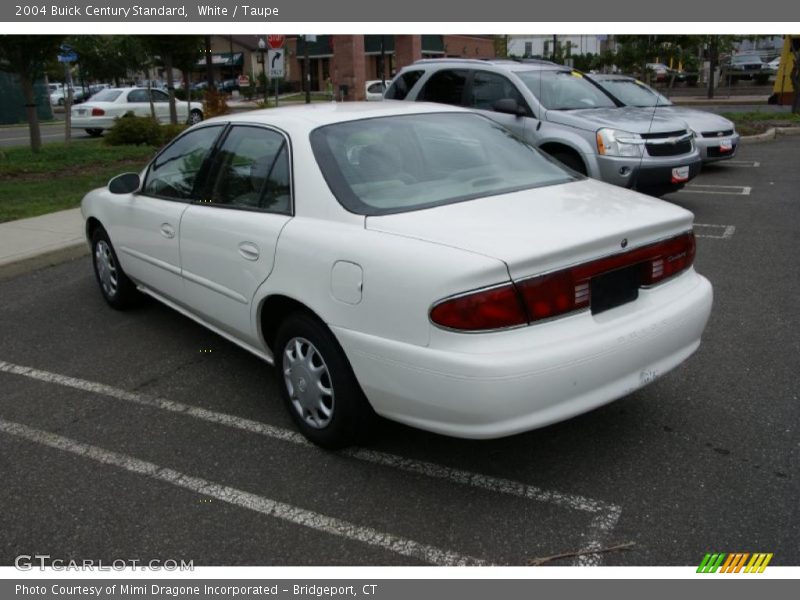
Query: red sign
[[276, 41]]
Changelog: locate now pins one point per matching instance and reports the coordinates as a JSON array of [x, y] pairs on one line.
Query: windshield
[[408, 162], [106, 96], [564, 90], [746, 58], [633, 93]]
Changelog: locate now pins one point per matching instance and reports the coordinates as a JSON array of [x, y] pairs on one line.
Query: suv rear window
[[402, 85]]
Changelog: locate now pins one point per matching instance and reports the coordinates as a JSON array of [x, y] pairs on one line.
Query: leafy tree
[[173, 51], [108, 57], [25, 56]]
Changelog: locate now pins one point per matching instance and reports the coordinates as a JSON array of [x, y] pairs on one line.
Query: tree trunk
[[712, 66], [150, 95], [188, 89], [30, 112], [173, 110]]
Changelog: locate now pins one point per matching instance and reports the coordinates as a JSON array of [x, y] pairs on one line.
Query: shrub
[[169, 131], [133, 130], [214, 104]]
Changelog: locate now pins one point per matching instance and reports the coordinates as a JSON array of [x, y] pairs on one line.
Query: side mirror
[[127, 183], [509, 106]]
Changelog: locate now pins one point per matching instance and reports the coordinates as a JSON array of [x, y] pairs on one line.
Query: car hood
[[699, 120], [626, 118], [541, 229]]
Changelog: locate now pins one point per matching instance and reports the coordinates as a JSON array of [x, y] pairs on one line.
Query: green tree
[[108, 57], [25, 56], [172, 51]]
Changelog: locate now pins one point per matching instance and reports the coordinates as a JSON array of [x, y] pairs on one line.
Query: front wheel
[[119, 291], [94, 132], [195, 117], [318, 386]]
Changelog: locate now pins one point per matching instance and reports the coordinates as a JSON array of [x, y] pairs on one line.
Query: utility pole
[[307, 69]]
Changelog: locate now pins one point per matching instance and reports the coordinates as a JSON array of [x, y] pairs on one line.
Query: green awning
[[224, 59]]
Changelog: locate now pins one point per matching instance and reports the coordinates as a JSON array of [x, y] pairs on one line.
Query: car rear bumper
[[505, 383], [92, 122]]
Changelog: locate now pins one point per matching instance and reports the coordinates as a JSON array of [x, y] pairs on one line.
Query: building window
[[529, 48]]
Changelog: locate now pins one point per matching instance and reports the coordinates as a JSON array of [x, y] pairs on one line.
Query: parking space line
[[242, 499], [738, 163], [730, 190], [727, 231], [604, 515]]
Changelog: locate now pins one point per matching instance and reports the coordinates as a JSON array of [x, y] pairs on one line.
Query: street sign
[[276, 62], [244, 81], [68, 58], [276, 42]]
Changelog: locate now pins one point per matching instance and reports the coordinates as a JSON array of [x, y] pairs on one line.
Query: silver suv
[[556, 109]]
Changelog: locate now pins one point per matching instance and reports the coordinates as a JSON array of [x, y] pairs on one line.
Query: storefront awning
[[224, 59]]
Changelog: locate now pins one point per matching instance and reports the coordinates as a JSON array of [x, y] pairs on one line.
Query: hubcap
[[106, 268], [308, 382]]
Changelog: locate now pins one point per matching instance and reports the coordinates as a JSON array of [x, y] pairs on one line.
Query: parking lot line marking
[[730, 190], [728, 231], [236, 497], [605, 515], [738, 163]]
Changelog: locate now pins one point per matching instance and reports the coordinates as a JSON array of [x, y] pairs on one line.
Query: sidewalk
[[719, 98], [32, 243]]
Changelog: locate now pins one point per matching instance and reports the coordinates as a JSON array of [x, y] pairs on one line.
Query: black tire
[[195, 117], [94, 132], [119, 291], [351, 417], [570, 160]]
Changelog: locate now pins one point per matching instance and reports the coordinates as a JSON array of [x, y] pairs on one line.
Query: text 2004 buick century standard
[[415, 261]]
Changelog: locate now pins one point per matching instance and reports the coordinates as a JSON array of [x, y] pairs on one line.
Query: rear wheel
[[318, 386], [119, 291], [94, 132], [195, 117]]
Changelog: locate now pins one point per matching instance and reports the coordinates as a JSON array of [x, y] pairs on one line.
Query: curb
[[769, 135], [47, 259]]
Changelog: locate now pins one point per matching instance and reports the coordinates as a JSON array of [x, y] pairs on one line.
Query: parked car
[[659, 70], [98, 115], [746, 65], [375, 89], [715, 136], [59, 96], [557, 110], [773, 65], [415, 260]]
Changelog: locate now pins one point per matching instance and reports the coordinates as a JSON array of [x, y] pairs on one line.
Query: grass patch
[[755, 121], [59, 176]]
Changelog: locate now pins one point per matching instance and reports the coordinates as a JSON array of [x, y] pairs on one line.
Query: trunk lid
[[543, 229]]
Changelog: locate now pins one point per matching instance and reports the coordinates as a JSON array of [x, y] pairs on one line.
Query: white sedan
[[411, 260], [99, 112]]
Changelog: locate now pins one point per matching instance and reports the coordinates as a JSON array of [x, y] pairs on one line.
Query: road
[[142, 435], [51, 132]]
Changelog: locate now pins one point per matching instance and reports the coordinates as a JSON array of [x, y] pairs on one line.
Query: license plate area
[[615, 288]]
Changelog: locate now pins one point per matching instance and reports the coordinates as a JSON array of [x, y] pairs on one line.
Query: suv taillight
[[561, 292]]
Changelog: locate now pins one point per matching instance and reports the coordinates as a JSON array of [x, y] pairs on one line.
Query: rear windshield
[[564, 90], [106, 96], [408, 162], [633, 93]]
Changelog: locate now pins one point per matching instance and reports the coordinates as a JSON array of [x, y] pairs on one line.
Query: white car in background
[[99, 112], [412, 260], [375, 89]]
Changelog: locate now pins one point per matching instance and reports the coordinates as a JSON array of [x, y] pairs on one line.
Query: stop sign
[[276, 41]]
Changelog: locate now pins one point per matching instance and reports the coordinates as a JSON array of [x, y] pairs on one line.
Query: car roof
[[310, 116], [509, 64], [610, 76]]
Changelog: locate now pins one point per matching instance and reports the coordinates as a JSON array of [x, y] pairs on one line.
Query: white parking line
[[727, 231], [738, 163], [260, 504], [730, 190], [605, 515]]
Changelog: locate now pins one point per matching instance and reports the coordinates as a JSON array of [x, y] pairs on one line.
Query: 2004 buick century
[[411, 260]]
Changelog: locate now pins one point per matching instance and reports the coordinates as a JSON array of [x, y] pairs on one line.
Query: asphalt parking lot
[[141, 435]]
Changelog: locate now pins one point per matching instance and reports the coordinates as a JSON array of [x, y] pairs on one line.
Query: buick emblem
[[624, 242]]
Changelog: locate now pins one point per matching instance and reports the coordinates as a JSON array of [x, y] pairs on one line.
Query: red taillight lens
[[495, 308], [560, 292], [98, 112]]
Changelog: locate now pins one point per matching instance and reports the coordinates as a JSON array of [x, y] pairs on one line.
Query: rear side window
[[445, 87], [488, 88], [402, 85], [138, 96]]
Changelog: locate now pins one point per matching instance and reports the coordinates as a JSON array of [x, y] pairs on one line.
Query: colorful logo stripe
[[734, 562]]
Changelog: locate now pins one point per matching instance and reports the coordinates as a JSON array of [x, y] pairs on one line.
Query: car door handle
[[167, 230], [249, 250]]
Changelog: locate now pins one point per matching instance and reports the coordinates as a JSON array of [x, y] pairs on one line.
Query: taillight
[[98, 112], [560, 292], [494, 308]]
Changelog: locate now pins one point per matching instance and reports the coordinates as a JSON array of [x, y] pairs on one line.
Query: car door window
[[159, 96], [488, 88], [251, 170], [174, 173], [402, 85], [138, 96], [445, 87]]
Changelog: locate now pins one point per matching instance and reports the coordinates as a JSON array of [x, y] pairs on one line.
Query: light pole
[[262, 48], [307, 69]]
